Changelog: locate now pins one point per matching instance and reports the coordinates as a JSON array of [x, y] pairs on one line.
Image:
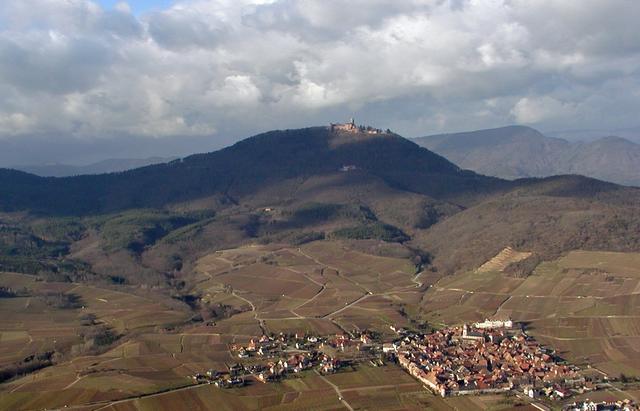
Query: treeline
[[310, 213], [135, 230], [372, 231], [44, 253], [29, 364]]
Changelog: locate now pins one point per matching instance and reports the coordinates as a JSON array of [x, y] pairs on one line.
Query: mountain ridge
[[518, 151], [111, 165]]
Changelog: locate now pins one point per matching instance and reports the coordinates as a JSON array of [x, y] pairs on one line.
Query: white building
[[494, 324]]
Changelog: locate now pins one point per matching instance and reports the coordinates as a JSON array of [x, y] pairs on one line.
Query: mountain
[[609, 158], [293, 186], [243, 169], [517, 152], [105, 166]]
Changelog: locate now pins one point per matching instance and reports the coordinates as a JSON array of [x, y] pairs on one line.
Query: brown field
[[585, 305], [28, 325], [319, 287], [365, 388]]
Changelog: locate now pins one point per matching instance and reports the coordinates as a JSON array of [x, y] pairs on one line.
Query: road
[[337, 390], [151, 395], [354, 302], [336, 269], [253, 308]]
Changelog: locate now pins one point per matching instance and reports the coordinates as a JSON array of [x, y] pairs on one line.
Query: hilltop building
[[351, 127]]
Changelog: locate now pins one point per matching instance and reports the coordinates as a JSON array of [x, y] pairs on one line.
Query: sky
[[138, 6], [82, 80]]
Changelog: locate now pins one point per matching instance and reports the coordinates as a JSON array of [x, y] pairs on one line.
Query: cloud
[[534, 110], [234, 67], [183, 28]]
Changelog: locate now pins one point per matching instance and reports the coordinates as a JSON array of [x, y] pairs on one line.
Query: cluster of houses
[[484, 359], [272, 358], [274, 346], [234, 377], [623, 405]]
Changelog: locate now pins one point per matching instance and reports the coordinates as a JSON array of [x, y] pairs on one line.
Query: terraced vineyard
[[503, 259]]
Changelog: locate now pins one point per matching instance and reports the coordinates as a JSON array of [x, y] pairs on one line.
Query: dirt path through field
[[336, 269], [347, 306], [322, 288], [255, 312], [336, 389]]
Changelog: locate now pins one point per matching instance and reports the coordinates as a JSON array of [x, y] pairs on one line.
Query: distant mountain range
[[106, 166], [517, 151]]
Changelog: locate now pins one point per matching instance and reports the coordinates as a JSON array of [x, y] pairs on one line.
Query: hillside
[[545, 216], [296, 186], [516, 152]]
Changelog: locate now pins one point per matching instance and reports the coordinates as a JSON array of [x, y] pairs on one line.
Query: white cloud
[[533, 110], [236, 90], [241, 66]]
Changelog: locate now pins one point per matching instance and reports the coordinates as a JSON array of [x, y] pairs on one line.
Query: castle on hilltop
[[351, 127]]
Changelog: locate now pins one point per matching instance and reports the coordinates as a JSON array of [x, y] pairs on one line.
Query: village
[[272, 358], [487, 357]]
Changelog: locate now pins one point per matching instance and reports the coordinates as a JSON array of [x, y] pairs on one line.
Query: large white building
[[494, 324]]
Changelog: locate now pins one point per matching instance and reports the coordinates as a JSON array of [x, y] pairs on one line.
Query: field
[[35, 324], [364, 388], [585, 304], [321, 287]]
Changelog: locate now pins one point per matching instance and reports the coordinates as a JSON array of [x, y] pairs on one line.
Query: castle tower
[[465, 330]]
